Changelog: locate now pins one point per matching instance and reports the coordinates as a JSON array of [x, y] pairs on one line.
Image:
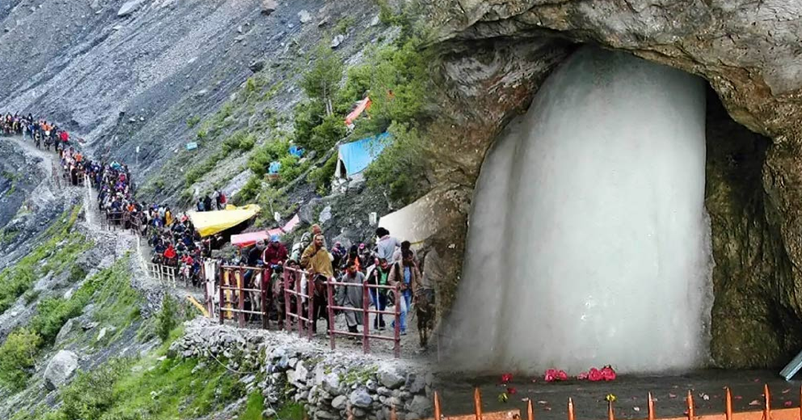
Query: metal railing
[[365, 310], [233, 293], [292, 280], [767, 413]]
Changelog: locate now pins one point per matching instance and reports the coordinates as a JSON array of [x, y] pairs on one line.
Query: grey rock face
[[60, 369]]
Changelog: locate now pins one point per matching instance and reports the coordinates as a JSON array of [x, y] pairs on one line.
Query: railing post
[[330, 298], [530, 410], [222, 295], [397, 329], [241, 298], [365, 317], [571, 415], [477, 403], [266, 272], [299, 304], [689, 400], [728, 404], [285, 278], [310, 291]]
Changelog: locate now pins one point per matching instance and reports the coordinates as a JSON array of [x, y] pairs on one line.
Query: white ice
[[588, 241]]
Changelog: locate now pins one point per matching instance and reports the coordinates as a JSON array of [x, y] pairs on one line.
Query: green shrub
[[240, 140], [401, 168], [77, 273], [193, 121], [343, 25], [91, 394], [198, 171], [271, 151], [250, 190], [18, 357], [322, 80], [166, 320], [18, 279], [322, 176]]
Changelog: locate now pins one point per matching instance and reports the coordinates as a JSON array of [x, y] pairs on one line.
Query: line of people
[[38, 129], [175, 242]]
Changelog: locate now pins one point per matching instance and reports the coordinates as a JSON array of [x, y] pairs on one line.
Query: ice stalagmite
[[588, 241]]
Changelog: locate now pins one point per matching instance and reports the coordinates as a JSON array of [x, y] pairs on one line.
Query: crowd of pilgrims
[[175, 243], [39, 130]]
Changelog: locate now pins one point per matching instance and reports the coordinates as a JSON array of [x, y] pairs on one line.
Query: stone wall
[[329, 383]]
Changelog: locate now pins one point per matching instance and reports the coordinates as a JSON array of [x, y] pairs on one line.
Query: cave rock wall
[[495, 54]]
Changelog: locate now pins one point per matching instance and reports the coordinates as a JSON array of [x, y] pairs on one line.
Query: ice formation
[[588, 241]]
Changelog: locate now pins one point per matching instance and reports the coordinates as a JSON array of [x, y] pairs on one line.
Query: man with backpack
[[405, 275]]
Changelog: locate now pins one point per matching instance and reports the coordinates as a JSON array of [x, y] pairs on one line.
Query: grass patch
[[254, 407], [56, 254]]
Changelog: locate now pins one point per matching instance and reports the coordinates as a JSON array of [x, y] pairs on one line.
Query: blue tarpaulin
[[296, 151], [192, 146], [354, 157], [274, 167]]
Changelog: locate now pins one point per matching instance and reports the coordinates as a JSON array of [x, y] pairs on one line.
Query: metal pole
[[241, 299], [330, 298], [265, 310], [299, 306], [397, 329], [287, 307], [310, 291], [222, 296], [365, 317]]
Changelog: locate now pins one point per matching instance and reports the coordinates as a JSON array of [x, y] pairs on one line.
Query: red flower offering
[[608, 374], [512, 391], [595, 375], [506, 378]]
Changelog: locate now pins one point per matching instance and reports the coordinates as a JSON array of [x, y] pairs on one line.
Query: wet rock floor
[[550, 399]]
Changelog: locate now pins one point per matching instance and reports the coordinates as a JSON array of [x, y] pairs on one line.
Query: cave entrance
[[589, 242]]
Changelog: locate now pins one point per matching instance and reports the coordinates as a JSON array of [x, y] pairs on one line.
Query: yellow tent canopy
[[208, 223]]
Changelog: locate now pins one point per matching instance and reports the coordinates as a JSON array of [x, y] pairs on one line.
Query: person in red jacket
[[65, 137], [275, 253], [169, 254]]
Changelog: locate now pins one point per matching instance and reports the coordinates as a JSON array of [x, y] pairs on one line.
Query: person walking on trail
[[404, 274], [316, 259], [386, 244], [378, 275], [351, 296]]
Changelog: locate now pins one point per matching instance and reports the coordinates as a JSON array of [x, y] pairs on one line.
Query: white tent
[[414, 223]]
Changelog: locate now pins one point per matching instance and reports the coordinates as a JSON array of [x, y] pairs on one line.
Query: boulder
[[257, 66], [60, 369], [360, 398], [129, 7], [337, 40], [331, 383], [338, 403], [391, 379], [269, 6], [65, 331], [297, 376], [420, 405], [304, 16]]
